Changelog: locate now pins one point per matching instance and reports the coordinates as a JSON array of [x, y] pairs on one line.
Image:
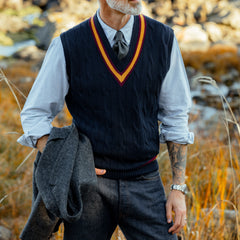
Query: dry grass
[[212, 175]]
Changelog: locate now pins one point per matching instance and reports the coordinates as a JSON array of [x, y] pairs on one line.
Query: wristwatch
[[182, 188]]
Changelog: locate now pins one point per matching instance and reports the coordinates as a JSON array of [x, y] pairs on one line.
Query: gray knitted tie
[[120, 47]]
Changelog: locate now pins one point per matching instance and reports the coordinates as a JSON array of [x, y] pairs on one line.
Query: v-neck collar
[[120, 69], [110, 33]]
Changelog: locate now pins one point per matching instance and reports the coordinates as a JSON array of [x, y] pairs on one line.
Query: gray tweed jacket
[[61, 173]]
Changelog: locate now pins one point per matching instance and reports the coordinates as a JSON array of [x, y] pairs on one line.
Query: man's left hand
[[176, 203]]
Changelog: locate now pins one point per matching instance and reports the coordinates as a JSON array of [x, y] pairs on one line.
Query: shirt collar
[[110, 32]]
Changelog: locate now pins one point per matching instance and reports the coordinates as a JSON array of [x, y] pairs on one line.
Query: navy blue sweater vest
[[115, 102]]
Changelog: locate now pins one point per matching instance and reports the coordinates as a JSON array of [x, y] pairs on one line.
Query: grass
[[212, 174]]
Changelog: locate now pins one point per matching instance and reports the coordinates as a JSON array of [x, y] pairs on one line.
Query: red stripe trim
[[149, 161]]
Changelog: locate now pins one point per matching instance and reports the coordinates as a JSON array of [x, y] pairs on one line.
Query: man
[[119, 75]]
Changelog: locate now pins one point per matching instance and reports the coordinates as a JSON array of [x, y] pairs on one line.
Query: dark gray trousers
[[136, 205]]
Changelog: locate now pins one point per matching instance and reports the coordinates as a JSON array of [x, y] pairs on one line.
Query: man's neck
[[113, 18]]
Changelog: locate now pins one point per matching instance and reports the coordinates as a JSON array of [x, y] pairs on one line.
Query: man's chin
[[133, 7]]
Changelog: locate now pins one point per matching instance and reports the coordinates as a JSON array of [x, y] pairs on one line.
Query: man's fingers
[[169, 212], [182, 223], [100, 171], [177, 224]]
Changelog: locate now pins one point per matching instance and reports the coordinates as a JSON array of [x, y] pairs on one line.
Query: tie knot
[[119, 36], [120, 46]]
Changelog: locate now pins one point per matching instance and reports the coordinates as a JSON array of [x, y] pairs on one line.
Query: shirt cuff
[[174, 134], [30, 141]]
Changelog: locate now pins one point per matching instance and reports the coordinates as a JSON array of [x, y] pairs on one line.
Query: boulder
[[230, 77], [200, 14], [179, 19], [45, 34], [208, 95], [214, 31], [161, 9], [14, 4], [230, 222], [193, 38], [232, 18], [11, 24], [30, 53], [5, 40], [40, 3], [5, 234], [46, 4]]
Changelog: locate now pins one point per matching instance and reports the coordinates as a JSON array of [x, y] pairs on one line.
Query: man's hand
[[41, 143], [176, 203], [100, 171]]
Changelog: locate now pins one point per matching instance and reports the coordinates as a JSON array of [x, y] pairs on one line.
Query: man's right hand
[[41, 143]]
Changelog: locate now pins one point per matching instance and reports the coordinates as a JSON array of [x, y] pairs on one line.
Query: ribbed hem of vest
[[128, 174]]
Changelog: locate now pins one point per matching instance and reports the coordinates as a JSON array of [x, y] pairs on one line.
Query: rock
[[8, 51], [209, 6], [211, 90], [14, 4], [73, 14], [230, 77], [191, 72], [231, 35], [206, 120], [40, 3], [233, 97], [179, 19], [214, 31], [146, 10], [229, 222], [11, 24], [163, 10], [5, 234], [232, 18], [193, 38], [44, 35], [235, 87], [30, 53], [210, 66], [46, 4], [200, 15], [5, 40], [178, 30], [209, 96]]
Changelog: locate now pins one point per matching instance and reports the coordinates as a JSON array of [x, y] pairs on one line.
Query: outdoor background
[[208, 33]]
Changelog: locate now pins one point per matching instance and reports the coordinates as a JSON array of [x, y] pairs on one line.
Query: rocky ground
[[198, 24], [208, 33]]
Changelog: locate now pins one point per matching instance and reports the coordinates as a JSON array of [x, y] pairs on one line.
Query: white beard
[[125, 8]]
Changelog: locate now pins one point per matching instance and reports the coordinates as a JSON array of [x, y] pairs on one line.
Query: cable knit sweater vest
[[115, 102]]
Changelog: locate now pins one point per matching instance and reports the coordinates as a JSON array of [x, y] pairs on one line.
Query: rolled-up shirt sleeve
[[175, 102], [47, 96]]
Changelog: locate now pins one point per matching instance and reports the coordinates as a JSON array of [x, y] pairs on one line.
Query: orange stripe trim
[[121, 77]]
